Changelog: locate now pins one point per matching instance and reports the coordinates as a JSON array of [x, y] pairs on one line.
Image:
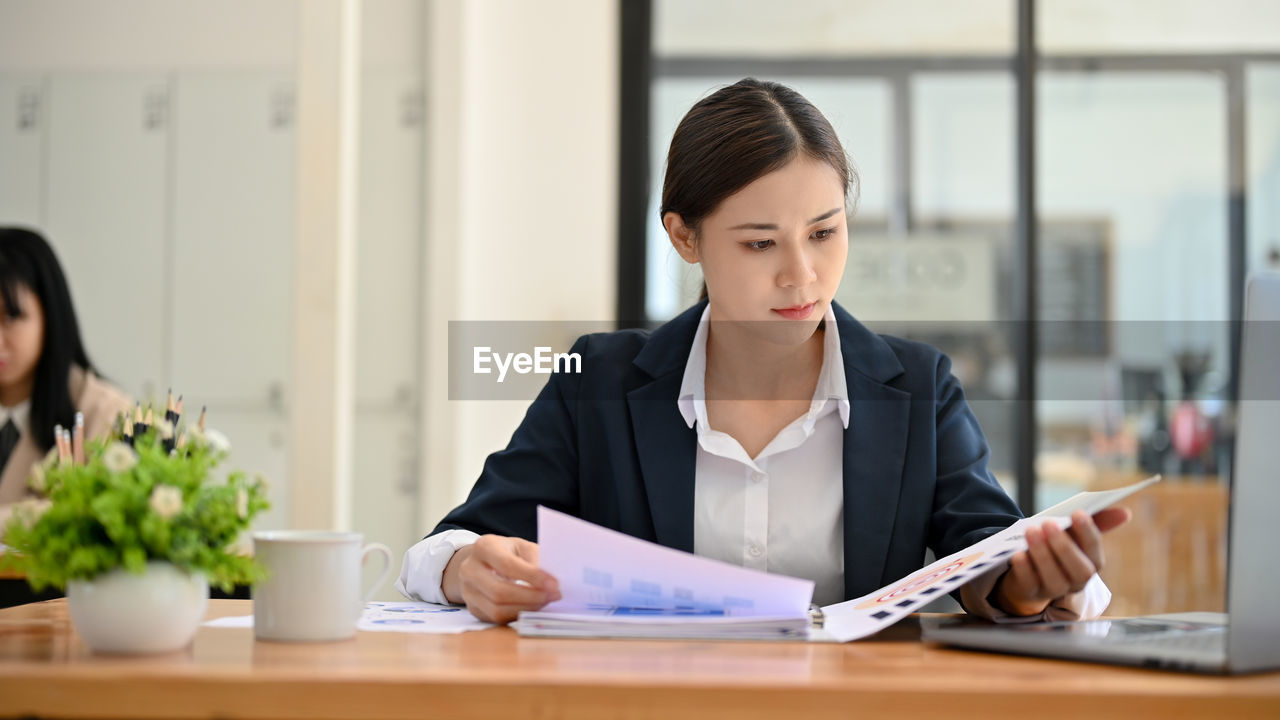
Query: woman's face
[[775, 251], [21, 339]]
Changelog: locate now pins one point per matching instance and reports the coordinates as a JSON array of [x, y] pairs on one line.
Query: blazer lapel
[[668, 451], [666, 446], [874, 444], [875, 448]]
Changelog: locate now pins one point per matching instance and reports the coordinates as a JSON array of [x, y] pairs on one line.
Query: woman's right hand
[[497, 577]]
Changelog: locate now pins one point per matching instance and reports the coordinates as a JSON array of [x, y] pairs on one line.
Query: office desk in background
[[1172, 557], [45, 670]]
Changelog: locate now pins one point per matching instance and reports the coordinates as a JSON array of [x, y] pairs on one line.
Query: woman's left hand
[[1056, 562]]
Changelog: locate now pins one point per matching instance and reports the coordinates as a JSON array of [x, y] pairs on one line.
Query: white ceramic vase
[[120, 612]]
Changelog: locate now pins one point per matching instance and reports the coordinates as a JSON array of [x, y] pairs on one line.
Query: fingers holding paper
[[1056, 562], [497, 577]]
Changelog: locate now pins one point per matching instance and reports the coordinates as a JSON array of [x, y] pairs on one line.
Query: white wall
[[147, 34], [220, 204], [522, 105], [519, 211], [165, 139]]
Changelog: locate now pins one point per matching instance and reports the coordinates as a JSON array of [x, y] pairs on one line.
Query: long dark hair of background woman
[[26, 260]]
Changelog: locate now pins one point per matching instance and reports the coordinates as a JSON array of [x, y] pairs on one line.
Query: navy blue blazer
[[609, 445]]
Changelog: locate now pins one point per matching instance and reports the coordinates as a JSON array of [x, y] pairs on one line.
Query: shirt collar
[[19, 413], [692, 400]]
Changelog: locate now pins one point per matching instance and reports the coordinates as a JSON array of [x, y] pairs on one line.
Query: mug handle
[[385, 552]]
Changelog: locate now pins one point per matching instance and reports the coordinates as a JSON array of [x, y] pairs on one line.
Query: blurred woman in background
[[45, 375]]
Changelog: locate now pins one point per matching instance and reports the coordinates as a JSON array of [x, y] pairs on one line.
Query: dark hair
[[738, 134], [26, 260]]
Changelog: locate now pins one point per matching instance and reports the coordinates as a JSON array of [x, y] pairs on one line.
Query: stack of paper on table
[[615, 585]]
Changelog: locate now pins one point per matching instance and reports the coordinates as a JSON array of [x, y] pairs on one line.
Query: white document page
[[418, 617], [599, 569], [877, 610], [404, 617]]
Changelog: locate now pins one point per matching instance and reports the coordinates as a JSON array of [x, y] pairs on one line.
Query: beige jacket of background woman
[[101, 403]]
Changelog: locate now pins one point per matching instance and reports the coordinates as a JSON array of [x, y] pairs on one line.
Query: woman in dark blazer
[[764, 425]]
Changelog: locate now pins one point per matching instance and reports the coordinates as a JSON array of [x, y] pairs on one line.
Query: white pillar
[[445, 83], [521, 206], [324, 283]]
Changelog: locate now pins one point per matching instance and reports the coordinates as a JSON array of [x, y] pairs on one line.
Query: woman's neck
[[16, 393], [741, 366]]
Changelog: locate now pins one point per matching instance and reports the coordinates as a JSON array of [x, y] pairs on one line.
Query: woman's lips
[[798, 312]]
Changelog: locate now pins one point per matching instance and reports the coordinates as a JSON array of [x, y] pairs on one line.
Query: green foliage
[[126, 506]]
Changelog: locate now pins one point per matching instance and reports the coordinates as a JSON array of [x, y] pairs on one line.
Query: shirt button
[[754, 550], [758, 476]]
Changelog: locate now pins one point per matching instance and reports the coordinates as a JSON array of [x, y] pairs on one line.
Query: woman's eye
[[759, 244], [823, 234]]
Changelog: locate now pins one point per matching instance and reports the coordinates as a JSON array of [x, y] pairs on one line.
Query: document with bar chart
[[615, 585]]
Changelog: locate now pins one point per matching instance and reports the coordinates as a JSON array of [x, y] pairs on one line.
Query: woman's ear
[[681, 236]]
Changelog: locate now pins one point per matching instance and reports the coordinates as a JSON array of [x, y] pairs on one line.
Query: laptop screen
[[1253, 575]]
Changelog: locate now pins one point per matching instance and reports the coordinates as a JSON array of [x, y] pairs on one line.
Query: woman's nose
[[797, 269]]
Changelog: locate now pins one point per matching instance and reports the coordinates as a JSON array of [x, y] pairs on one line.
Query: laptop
[[1247, 637]]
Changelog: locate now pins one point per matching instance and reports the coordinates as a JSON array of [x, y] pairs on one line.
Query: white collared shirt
[[781, 511], [20, 414]]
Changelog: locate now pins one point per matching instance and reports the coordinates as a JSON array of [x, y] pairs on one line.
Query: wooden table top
[[46, 670]]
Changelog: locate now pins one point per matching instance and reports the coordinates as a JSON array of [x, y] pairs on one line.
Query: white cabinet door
[[233, 171], [384, 493], [257, 440], [384, 484], [233, 227], [22, 113], [389, 263], [106, 206]]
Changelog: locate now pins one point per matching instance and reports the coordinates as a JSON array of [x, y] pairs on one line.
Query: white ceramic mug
[[312, 589]]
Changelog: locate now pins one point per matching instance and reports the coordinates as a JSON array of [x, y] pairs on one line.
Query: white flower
[[119, 458], [164, 429], [195, 437], [166, 501], [242, 503], [242, 545], [30, 510], [37, 480], [217, 441], [50, 458]]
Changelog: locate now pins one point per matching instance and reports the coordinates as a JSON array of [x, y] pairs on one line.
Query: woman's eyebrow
[[772, 226], [830, 213]]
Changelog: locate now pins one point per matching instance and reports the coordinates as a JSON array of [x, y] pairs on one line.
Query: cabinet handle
[[29, 102], [281, 108], [411, 108], [275, 398], [155, 110], [408, 484]]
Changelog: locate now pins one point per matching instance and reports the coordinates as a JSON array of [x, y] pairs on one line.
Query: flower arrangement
[[146, 493]]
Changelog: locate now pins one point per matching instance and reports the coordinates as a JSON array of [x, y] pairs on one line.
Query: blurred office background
[[277, 206]]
